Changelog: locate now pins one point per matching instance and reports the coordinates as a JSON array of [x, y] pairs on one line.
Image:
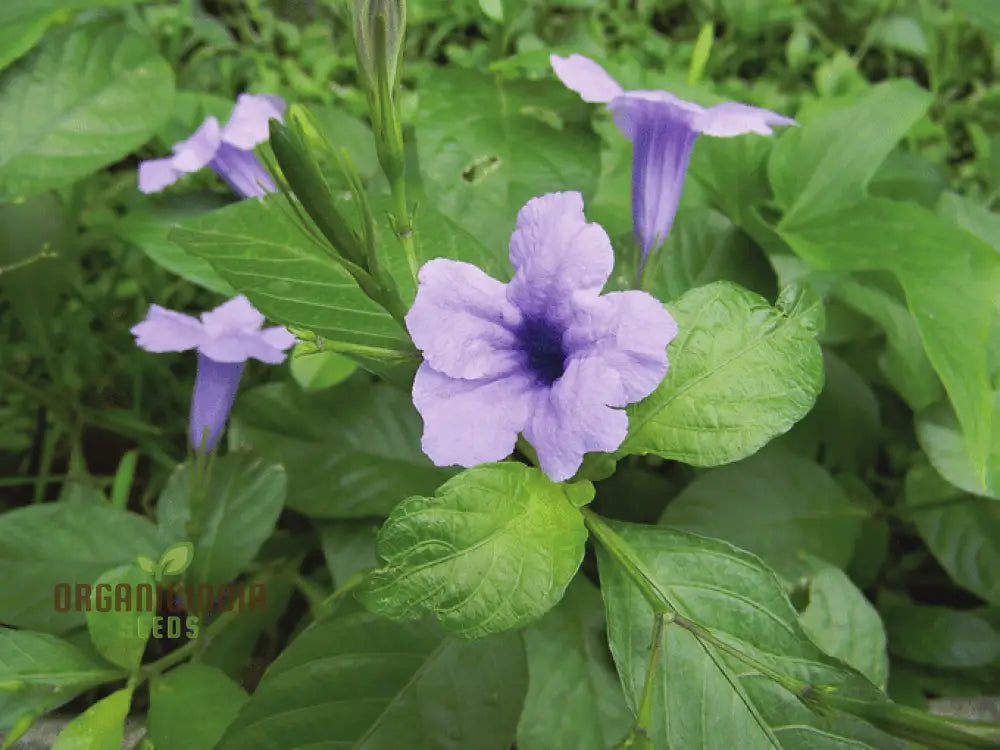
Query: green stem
[[402, 225]]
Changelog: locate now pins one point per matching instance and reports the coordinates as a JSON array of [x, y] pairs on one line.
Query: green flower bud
[[379, 59]]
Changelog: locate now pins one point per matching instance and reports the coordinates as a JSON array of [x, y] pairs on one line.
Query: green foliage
[[806, 506], [741, 373], [84, 100], [358, 679], [480, 573]]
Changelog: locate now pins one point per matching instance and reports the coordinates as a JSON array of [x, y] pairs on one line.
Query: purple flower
[[662, 129], [545, 355], [225, 338], [227, 150]]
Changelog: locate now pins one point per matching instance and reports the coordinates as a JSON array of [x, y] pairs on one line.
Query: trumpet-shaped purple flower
[[227, 150], [225, 339], [545, 355], [662, 129]]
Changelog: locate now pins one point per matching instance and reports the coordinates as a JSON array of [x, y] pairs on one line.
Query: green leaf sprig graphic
[[174, 561]]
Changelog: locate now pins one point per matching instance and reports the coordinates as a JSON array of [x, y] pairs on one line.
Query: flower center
[[542, 345]]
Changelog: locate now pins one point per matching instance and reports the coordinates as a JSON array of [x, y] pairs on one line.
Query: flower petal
[[470, 422], [570, 419], [462, 322], [634, 110], [167, 331], [215, 389], [278, 337], [233, 316], [192, 154], [558, 257], [627, 333], [732, 118], [156, 174], [248, 123], [585, 77], [662, 138], [243, 171]]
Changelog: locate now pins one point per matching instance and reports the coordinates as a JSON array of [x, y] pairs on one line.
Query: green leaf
[[191, 706], [357, 680], [148, 231], [704, 246], [828, 163], [940, 637], [240, 508], [43, 671], [730, 594], [350, 451], [905, 363], [486, 146], [741, 373], [960, 530], [907, 240], [574, 700], [315, 370], [176, 559], [83, 100], [261, 249], [941, 438], [494, 549], [349, 548], [42, 546], [844, 624], [775, 505], [983, 13], [100, 727], [972, 217], [118, 626], [17, 37], [145, 564]]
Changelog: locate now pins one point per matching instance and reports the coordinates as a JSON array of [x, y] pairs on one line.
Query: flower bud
[[379, 59]]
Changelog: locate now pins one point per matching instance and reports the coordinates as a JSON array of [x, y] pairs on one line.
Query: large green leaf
[[234, 516], [733, 597], [264, 252], [191, 706], [941, 637], [83, 100], [118, 628], [775, 505], [64, 543], [827, 163], [908, 240], [741, 373], [350, 451], [960, 530], [574, 700], [358, 681], [494, 549], [486, 146], [844, 624], [39, 672]]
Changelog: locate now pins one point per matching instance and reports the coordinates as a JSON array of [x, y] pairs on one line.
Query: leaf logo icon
[[174, 561]]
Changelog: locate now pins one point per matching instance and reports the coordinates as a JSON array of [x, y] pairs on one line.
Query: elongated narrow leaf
[[907, 240], [228, 525], [83, 100], [493, 550], [359, 681], [263, 252], [828, 162], [732, 595], [350, 452], [741, 373]]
